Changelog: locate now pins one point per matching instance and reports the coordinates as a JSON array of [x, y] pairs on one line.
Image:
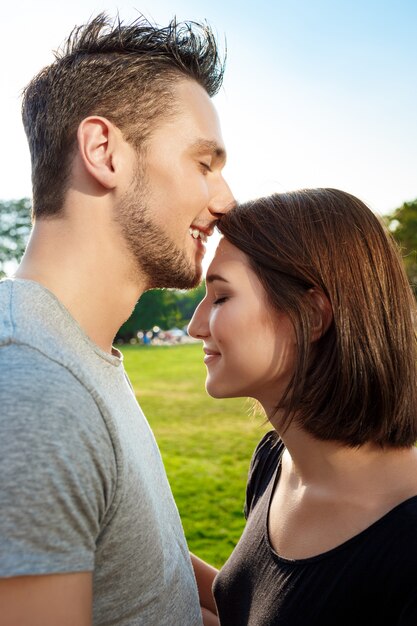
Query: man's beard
[[156, 257]]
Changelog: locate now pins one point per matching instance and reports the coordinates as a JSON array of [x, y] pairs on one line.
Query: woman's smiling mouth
[[211, 355]]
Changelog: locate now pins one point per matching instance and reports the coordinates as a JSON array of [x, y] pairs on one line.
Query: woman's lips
[[211, 356]]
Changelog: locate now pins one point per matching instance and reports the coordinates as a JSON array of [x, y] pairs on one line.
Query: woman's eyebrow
[[212, 277]]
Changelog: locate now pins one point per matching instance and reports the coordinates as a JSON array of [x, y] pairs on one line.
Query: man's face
[[179, 192]]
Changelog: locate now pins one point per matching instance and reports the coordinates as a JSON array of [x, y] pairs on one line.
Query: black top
[[369, 580]]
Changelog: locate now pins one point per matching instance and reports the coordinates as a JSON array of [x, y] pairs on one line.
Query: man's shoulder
[[34, 388], [46, 410], [31, 314], [24, 366]]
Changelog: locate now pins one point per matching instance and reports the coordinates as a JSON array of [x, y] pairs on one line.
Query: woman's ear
[[321, 313]]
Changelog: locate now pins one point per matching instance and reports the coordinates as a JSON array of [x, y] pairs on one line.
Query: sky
[[317, 93]]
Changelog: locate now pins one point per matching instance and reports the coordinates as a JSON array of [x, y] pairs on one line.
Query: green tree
[[165, 308], [403, 225], [15, 225], [187, 301], [157, 307]]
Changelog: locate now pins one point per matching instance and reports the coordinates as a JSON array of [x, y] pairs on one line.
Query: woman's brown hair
[[358, 382]]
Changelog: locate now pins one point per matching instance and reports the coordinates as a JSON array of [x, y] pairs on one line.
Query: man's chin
[[198, 277], [177, 280], [187, 282]]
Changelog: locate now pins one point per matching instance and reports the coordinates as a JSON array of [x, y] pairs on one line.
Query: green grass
[[206, 444]]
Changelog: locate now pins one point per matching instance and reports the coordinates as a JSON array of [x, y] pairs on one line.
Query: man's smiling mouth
[[196, 233]]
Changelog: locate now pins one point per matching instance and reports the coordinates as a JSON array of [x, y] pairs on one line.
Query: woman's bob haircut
[[357, 381]]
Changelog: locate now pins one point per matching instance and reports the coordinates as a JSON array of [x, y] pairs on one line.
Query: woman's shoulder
[[263, 466]]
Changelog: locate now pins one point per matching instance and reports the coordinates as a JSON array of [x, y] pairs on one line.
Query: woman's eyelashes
[[220, 300]]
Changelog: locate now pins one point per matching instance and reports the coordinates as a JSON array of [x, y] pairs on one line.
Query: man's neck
[[90, 276]]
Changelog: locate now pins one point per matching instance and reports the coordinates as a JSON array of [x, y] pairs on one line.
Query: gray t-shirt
[[83, 487]]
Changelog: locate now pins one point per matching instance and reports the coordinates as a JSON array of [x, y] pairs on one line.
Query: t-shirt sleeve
[[262, 467], [57, 468]]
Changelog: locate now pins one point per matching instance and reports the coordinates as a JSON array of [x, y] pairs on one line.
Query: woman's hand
[[205, 575], [209, 619]]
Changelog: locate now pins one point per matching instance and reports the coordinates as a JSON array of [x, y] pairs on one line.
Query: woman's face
[[249, 348]]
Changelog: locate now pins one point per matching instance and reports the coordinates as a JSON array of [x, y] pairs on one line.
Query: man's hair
[[358, 382], [124, 72]]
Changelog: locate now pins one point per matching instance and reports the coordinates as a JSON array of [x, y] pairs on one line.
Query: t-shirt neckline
[[327, 553]]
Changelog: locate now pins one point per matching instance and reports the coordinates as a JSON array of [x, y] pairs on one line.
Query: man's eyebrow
[[212, 277], [206, 145]]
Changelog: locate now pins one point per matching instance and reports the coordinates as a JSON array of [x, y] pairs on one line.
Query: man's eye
[[205, 167]]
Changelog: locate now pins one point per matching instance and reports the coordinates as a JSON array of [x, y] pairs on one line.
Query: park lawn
[[206, 444]]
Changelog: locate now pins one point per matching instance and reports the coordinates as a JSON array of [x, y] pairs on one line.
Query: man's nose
[[223, 200]]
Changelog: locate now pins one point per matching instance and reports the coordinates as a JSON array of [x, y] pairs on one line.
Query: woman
[[308, 311]]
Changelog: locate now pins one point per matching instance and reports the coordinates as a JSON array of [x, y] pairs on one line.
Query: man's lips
[[200, 232]]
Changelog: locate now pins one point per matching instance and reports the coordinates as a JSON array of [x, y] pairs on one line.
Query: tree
[[187, 301], [15, 225], [161, 307], [403, 225], [156, 307]]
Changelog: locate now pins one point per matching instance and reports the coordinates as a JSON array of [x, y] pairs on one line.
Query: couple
[[307, 310]]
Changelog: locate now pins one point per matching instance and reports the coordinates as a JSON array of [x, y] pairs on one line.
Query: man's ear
[[97, 139], [321, 313]]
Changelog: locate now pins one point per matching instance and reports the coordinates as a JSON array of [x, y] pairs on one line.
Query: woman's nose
[[198, 326]]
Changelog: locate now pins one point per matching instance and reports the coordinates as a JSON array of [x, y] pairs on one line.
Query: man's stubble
[[155, 256]]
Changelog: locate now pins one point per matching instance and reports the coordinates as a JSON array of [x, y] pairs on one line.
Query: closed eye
[[220, 300], [205, 167]]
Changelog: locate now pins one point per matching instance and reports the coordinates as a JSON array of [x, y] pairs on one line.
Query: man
[[127, 161]]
